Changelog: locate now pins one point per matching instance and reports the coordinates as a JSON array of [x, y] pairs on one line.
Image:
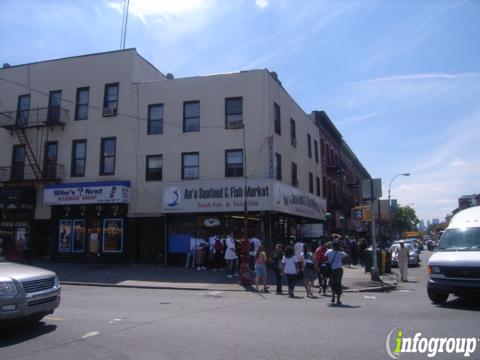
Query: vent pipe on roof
[[170, 76]]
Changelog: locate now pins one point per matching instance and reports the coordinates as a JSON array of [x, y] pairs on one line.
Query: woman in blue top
[[335, 258]]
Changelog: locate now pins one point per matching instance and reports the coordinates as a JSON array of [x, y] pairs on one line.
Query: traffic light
[[361, 213]]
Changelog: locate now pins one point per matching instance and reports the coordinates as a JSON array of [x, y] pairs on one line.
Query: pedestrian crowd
[[292, 262]]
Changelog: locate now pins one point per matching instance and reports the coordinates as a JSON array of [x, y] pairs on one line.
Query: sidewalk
[[178, 278]]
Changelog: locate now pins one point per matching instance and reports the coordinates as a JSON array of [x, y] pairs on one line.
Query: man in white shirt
[[230, 255], [402, 258], [254, 245], [191, 253], [211, 251]]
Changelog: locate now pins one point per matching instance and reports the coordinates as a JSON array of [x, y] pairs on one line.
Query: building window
[[310, 182], [309, 145], [81, 105], [50, 160], [23, 109], [54, 102], [79, 158], [155, 119], [191, 116], [190, 165], [278, 166], [110, 100], [276, 119], [233, 163], [18, 162], [293, 133], [107, 156], [324, 187], [234, 113], [315, 149], [154, 167], [294, 175], [322, 150], [318, 186]]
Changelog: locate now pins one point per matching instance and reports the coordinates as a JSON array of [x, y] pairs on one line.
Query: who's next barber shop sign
[[109, 192]]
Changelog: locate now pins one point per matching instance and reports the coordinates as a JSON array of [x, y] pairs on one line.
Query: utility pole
[[244, 266]]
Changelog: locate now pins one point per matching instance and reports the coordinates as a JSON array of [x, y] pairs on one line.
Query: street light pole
[[389, 204], [244, 269]]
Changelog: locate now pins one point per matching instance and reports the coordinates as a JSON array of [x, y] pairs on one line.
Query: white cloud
[[261, 3], [458, 162], [358, 118], [160, 9], [413, 89]]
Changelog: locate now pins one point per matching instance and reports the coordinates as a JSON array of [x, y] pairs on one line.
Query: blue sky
[[400, 79]]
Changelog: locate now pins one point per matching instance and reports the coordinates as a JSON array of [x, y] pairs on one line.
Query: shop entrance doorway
[[150, 241]]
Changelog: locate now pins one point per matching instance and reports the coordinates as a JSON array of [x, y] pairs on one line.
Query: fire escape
[[31, 160]]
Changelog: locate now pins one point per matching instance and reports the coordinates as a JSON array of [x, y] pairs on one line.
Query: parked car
[[27, 293], [455, 267], [413, 257]]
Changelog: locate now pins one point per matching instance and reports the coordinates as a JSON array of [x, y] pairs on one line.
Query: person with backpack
[[309, 272], [322, 267], [277, 266], [218, 247], [290, 269], [335, 257], [254, 245]]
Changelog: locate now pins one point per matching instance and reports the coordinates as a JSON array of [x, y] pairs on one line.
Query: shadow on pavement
[[23, 332], [463, 303], [344, 306]]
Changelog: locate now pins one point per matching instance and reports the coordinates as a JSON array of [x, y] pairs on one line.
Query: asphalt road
[[111, 323]]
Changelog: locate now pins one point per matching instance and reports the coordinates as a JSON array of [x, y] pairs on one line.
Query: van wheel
[[436, 297]]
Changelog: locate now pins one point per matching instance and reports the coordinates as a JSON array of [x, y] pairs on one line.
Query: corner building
[[104, 157]]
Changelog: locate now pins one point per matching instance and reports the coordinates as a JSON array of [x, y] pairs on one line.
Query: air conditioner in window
[[294, 142], [109, 111]]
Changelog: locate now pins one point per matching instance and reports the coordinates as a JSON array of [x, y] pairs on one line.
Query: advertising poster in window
[[65, 236], [112, 235], [78, 235]]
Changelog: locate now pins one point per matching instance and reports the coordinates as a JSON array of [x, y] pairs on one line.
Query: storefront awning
[[17, 198], [261, 195]]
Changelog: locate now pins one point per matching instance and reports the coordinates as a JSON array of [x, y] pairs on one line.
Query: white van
[[455, 267]]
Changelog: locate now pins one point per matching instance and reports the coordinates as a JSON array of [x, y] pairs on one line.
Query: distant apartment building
[[103, 156], [342, 175]]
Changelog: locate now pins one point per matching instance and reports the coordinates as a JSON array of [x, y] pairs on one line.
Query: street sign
[[371, 189]]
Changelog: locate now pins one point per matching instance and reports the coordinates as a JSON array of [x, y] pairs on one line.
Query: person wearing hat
[[402, 255], [335, 258]]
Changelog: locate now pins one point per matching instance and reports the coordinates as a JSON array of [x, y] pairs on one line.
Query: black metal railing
[[26, 173], [48, 116]]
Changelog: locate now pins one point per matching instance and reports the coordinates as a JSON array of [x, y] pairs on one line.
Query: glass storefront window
[[112, 235]]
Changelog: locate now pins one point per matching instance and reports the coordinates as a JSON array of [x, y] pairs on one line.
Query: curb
[[383, 288], [146, 287]]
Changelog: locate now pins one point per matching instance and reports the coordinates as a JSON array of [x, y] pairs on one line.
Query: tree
[[405, 219]]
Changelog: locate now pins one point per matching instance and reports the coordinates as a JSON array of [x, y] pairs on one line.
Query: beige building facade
[[104, 156]]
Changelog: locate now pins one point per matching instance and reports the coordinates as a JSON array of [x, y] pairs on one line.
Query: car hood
[[22, 272], [455, 258]]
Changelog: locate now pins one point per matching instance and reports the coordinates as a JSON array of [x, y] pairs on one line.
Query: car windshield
[[465, 239], [395, 246]]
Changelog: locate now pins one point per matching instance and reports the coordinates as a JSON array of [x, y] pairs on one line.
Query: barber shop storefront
[[17, 205], [89, 219], [275, 211]]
